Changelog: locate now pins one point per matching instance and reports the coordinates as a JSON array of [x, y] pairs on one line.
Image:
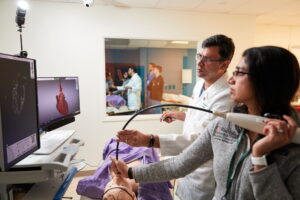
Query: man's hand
[[133, 138], [169, 117]]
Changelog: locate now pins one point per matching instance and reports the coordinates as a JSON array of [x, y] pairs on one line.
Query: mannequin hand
[[278, 133], [119, 167], [169, 117], [133, 138]]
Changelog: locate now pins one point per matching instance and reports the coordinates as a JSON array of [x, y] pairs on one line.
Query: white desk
[[48, 172]]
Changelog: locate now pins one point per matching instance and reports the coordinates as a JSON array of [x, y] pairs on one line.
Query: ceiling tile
[[258, 7], [222, 6], [179, 4], [138, 3], [276, 12]]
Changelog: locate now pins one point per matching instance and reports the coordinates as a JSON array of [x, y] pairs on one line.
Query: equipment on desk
[[38, 168], [58, 99], [19, 128], [50, 173], [247, 121], [18, 110], [52, 140]]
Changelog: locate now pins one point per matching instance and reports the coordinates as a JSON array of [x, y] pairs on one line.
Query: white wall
[[284, 36], [66, 39]]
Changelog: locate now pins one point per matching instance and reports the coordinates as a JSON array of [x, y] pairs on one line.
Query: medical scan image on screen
[[19, 123], [58, 97]]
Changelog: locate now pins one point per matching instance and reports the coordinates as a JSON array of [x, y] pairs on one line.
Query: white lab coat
[[199, 184], [134, 94]]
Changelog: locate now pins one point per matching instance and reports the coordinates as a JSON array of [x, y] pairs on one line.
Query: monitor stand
[[60, 123]]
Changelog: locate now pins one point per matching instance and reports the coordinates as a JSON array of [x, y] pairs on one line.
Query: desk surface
[[46, 189]]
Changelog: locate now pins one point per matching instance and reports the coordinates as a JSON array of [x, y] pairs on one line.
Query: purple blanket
[[115, 100], [93, 186]]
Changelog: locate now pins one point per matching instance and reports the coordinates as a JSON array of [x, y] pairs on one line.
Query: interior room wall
[[171, 66], [67, 39], [284, 36]]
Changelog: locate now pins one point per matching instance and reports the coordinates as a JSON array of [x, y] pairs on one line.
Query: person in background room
[[156, 89], [210, 92], [150, 76], [134, 89], [125, 81], [247, 165], [108, 81]]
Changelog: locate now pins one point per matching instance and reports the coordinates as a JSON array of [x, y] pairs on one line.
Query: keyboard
[[52, 140]]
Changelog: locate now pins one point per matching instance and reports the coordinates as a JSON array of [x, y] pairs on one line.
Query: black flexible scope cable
[[156, 106]]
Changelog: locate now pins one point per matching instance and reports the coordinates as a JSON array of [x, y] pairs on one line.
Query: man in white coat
[[134, 88], [211, 92]]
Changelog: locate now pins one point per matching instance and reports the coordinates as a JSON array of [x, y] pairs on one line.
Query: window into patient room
[[140, 73]]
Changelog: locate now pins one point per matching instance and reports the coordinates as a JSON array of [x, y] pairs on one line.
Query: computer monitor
[[58, 99], [18, 110]]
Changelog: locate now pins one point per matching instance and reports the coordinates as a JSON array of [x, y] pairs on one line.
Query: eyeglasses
[[200, 57], [239, 73]]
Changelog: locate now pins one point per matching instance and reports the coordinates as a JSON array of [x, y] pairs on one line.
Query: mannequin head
[[119, 188]]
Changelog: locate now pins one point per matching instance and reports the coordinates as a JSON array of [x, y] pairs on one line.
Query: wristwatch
[[130, 173], [151, 141], [259, 160]]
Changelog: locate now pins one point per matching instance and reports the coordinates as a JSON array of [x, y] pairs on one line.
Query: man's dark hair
[[133, 68], [225, 44], [274, 74]]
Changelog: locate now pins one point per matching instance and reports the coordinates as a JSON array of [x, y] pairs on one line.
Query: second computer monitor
[[58, 101]]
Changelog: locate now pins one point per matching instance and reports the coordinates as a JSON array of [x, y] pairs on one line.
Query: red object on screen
[[297, 108], [61, 103]]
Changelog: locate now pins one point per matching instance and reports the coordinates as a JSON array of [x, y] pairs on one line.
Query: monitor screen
[[18, 107], [58, 99]]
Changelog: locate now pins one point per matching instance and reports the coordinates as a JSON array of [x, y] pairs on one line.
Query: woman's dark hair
[[274, 74]]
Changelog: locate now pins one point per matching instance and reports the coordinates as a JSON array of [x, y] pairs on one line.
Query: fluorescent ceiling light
[[179, 42]]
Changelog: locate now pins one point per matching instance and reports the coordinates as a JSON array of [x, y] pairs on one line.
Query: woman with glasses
[[247, 165]]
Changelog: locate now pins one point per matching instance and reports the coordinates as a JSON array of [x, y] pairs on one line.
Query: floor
[[71, 191]]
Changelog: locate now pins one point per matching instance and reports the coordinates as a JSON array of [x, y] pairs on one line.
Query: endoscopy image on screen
[[18, 109]]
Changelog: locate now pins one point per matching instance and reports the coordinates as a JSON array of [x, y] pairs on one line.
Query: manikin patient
[[120, 188], [103, 184]]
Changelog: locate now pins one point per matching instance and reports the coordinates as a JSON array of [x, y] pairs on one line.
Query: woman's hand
[[133, 138], [119, 167], [169, 117], [278, 133]]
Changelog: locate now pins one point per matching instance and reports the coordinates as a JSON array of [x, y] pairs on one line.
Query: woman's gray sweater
[[279, 180]]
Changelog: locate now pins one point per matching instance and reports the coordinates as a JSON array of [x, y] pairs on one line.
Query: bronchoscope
[[251, 122]]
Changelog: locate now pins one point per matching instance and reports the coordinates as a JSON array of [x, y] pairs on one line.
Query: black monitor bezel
[[62, 121], [9, 166]]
